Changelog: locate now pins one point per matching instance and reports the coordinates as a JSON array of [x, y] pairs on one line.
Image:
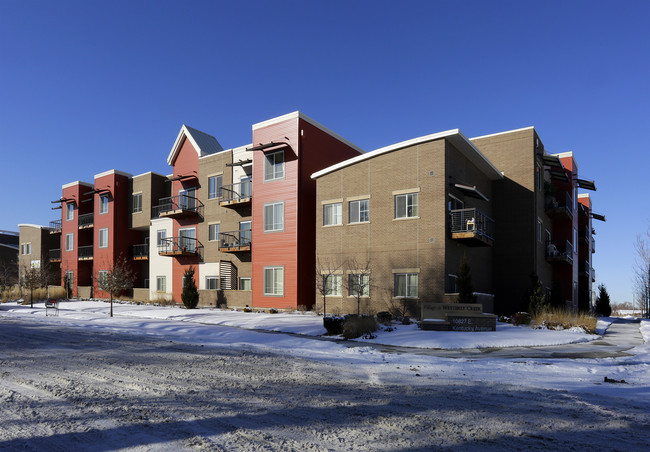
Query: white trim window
[[274, 166], [406, 285], [359, 211], [215, 184], [69, 211], [187, 239], [245, 284], [161, 235], [406, 205], [274, 217], [103, 204], [274, 281], [359, 284], [103, 238], [136, 200], [211, 282], [213, 232], [69, 241], [102, 276], [161, 284], [332, 284], [332, 214]]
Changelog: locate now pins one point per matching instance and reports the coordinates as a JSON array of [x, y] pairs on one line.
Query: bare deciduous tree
[[34, 278], [326, 275], [642, 272], [8, 274], [116, 280], [359, 281]]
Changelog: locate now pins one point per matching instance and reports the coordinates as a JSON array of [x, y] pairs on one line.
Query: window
[[102, 276], [136, 199], [161, 235], [539, 176], [161, 283], [103, 204], [274, 281], [187, 199], [69, 211], [26, 248], [451, 284], [332, 284], [406, 285], [359, 211], [359, 284], [539, 230], [548, 235], [332, 214], [213, 232], [406, 206], [69, 279], [211, 282], [215, 184], [274, 166], [274, 217], [244, 284], [245, 233], [187, 239], [246, 190], [69, 241], [103, 238]]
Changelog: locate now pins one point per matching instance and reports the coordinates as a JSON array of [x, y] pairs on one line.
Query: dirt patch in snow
[[73, 389]]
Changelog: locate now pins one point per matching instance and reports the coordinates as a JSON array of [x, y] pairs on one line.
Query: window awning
[[240, 163], [62, 200], [597, 216], [587, 184], [552, 161], [183, 178], [98, 190], [471, 190], [272, 144], [558, 175]]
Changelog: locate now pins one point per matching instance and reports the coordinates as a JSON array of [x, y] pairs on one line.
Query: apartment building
[[35, 245], [396, 223]]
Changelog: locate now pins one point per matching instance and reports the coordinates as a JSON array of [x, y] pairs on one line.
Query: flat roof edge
[[78, 182]]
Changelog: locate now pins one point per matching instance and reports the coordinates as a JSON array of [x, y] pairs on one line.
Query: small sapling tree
[[117, 280], [359, 281], [328, 281]]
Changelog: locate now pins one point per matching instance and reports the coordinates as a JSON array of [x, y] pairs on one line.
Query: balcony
[[179, 246], [236, 195], [584, 234], [585, 269], [559, 251], [593, 275], [559, 207], [593, 245], [55, 255], [235, 241], [86, 221], [55, 227], [472, 227], [85, 253], [140, 252], [177, 207]]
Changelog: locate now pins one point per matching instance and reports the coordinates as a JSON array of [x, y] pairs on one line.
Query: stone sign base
[[456, 317]]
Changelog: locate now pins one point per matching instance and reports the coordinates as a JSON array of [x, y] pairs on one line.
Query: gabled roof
[[454, 136], [203, 143]]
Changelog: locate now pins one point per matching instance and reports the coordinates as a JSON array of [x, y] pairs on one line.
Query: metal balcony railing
[[55, 255], [559, 251], [177, 206], [179, 246], [235, 240], [55, 226], [560, 205], [140, 252], [85, 252], [237, 193], [86, 220], [471, 221]]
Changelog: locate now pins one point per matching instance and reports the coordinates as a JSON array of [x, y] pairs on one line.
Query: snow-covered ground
[[169, 378]]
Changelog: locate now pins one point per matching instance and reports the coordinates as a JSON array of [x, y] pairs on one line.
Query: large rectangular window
[[69, 211], [215, 184], [245, 233], [274, 166], [359, 284], [274, 281], [274, 217], [187, 239], [211, 282], [136, 200], [359, 211], [244, 284], [332, 284], [213, 232], [406, 206], [406, 285], [161, 283], [161, 235], [103, 238], [69, 242], [332, 214], [103, 204]]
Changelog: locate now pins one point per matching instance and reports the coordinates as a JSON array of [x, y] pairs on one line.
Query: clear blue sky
[[87, 86]]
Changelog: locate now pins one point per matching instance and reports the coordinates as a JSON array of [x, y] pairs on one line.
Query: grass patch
[[559, 319]]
